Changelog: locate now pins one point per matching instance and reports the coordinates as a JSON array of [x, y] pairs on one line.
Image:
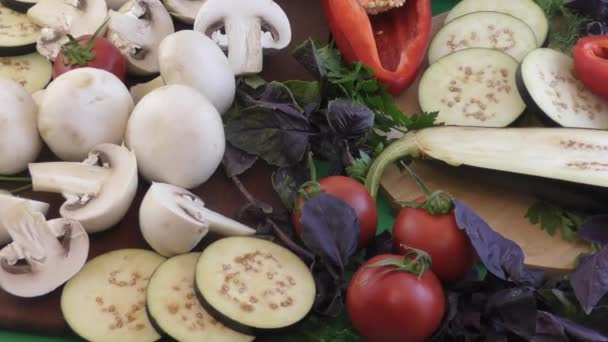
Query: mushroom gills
[[32, 71], [106, 300], [472, 87], [253, 285], [42, 255], [18, 35], [174, 309], [7, 201]]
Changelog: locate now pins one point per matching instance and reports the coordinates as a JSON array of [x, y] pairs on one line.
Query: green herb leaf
[[565, 26], [553, 219], [358, 169], [306, 93]]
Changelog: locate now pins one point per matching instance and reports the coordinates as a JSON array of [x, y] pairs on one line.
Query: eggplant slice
[[492, 30], [472, 87], [548, 82], [106, 301], [19, 5], [253, 286], [526, 10], [18, 34], [32, 71], [174, 309]]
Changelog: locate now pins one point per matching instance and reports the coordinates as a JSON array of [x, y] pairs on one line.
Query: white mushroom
[[140, 90], [98, 191], [20, 143], [115, 4], [137, 30], [7, 200], [58, 18], [184, 10], [250, 26], [173, 220], [81, 109], [177, 136], [43, 255], [192, 59]]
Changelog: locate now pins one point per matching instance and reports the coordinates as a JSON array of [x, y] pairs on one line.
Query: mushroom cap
[[184, 10], [177, 136], [7, 201], [96, 112], [164, 223], [20, 143], [137, 30], [214, 13], [115, 196], [58, 259], [190, 58]]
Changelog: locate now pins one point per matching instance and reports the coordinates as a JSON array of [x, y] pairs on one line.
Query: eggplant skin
[[531, 105], [17, 5], [164, 335], [12, 51]]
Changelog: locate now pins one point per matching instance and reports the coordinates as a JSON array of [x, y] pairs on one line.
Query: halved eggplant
[[32, 71], [19, 5], [174, 309], [493, 30], [573, 155], [526, 10], [106, 300], [18, 34], [547, 80], [472, 87], [253, 286]]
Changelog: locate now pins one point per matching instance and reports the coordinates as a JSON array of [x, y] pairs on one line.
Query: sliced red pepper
[[591, 63], [392, 43]]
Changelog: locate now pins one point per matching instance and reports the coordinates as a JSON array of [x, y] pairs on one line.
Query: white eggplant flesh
[[32, 71], [18, 35]]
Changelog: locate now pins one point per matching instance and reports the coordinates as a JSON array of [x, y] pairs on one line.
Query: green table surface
[[386, 221]]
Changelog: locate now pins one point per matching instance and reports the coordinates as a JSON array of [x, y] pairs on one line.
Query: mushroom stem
[[68, 177], [216, 222], [244, 45]]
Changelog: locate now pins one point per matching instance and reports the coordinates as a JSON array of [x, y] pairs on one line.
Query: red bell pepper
[[392, 43], [591, 63]]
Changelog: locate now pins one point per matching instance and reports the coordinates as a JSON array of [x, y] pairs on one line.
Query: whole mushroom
[[177, 136], [251, 26]]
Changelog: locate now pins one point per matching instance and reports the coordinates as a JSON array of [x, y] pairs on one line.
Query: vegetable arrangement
[[316, 268]]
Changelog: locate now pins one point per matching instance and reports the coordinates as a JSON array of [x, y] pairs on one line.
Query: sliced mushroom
[[115, 4], [7, 201], [43, 255], [250, 27], [184, 10], [174, 220], [137, 30], [58, 18], [98, 191]]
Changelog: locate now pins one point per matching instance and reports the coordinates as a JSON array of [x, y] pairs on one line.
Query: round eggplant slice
[[19, 5], [526, 10], [492, 30], [106, 301], [18, 34], [253, 286], [547, 80], [472, 87], [174, 309], [32, 71]]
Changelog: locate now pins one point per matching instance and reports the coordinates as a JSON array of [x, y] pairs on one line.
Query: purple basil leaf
[[237, 161], [502, 257], [330, 229], [590, 279], [349, 119], [287, 181], [382, 244], [307, 54], [514, 310], [595, 230], [551, 328]]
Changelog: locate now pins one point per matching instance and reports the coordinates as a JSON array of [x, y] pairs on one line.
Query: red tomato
[[105, 56], [449, 247], [591, 63], [356, 196], [394, 307]]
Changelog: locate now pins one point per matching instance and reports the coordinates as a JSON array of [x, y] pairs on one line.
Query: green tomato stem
[[21, 189], [15, 179]]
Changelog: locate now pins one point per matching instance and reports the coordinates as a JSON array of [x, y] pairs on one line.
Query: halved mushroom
[[137, 30], [98, 191], [184, 10], [174, 220], [115, 4], [43, 255], [250, 27], [58, 18], [7, 201]]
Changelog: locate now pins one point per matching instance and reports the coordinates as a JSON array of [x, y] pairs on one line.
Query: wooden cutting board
[[503, 204], [44, 314]]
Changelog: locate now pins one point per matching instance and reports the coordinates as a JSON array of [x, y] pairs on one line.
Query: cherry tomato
[[104, 55], [591, 63], [396, 306], [355, 195], [449, 247]]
